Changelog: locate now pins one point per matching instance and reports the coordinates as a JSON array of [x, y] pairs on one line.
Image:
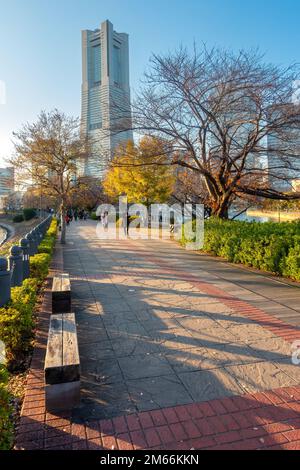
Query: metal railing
[[16, 267]]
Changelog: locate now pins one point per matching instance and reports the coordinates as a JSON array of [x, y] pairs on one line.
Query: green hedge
[[272, 247], [6, 427], [48, 243], [18, 218], [29, 214], [39, 266], [17, 329], [16, 319], [16, 323]]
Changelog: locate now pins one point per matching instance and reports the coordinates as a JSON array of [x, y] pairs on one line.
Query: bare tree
[[87, 193], [46, 154], [228, 117], [38, 198]]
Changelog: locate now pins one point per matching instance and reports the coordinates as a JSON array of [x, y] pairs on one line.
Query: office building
[[106, 114]]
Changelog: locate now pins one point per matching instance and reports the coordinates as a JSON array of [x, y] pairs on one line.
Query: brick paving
[[170, 358]]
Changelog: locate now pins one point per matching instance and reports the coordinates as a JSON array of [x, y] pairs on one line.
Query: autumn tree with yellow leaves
[[141, 173]]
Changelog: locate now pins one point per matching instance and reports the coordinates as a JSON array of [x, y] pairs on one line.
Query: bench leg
[[62, 397], [61, 302]]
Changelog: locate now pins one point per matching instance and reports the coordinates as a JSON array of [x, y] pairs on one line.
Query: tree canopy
[[227, 116], [140, 172], [46, 156]]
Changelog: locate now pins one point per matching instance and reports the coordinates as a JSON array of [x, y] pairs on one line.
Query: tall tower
[[105, 104]]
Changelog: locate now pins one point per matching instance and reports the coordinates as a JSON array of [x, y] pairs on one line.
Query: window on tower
[[117, 65], [96, 64]]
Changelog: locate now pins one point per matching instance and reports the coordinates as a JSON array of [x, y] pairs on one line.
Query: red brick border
[[267, 420]]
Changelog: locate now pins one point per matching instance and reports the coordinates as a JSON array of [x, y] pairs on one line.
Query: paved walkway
[[177, 351]]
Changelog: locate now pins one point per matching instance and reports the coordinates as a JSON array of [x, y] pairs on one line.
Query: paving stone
[[213, 336], [259, 376], [101, 371], [143, 366], [88, 335], [249, 333], [271, 349], [126, 330], [125, 347], [198, 323], [150, 394], [157, 324], [209, 385], [98, 351], [103, 401], [178, 338], [292, 370], [186, 360]]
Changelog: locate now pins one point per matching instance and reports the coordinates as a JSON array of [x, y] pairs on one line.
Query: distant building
[[105, 96], [284, 159], [7, 181], [7, 184]]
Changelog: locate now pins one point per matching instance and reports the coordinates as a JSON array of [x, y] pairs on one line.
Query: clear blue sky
[[40, 48]]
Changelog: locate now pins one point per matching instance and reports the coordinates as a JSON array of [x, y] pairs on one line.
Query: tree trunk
[[221, 208], [222, 211], [63, 223]]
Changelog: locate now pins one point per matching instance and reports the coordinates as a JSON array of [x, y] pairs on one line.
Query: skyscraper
[[105, 95]]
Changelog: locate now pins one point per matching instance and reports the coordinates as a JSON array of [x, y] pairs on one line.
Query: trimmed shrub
[[17, 330], [39, 266], [29, 214], [52, 230], [6, 427], [48, 243], [18, 218], [16, 323], [272, 247]]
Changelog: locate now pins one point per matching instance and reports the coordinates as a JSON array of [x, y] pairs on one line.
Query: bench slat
[[70, 359], [62, 363], [56, 286], [61, 283], [61, 293], [54, 355]]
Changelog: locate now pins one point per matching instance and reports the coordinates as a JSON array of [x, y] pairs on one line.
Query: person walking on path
[[105, 221], [67, 219], [126, 223]]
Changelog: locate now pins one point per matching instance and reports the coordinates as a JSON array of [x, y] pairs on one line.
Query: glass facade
[[96, 61], [117, 65]]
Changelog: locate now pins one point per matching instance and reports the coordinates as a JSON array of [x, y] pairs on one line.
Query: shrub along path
[[173, 355]]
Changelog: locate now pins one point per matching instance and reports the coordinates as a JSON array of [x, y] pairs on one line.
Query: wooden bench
[[61, 294], [62, 364]]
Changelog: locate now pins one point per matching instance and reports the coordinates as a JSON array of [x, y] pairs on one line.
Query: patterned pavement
[[171, 357]]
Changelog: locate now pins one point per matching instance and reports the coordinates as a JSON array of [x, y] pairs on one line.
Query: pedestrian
[[67, 219], [128, 220], [126, 223], [106, 220]]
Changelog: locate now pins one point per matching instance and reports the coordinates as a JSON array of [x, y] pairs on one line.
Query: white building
[[7, 183], [105, 95], [284, 159]]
